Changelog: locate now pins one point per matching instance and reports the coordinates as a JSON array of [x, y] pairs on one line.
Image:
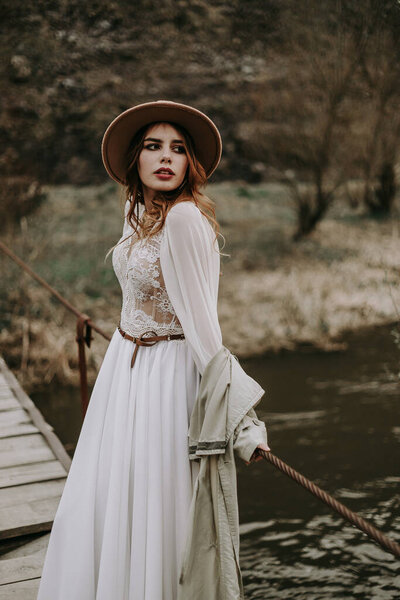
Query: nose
[[166, 156]]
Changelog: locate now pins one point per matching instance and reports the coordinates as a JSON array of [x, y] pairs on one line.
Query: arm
[[190, 265]]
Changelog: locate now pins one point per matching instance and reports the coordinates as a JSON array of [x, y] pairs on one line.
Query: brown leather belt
[[148, 341]]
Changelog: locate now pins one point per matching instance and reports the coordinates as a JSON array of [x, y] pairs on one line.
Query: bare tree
[[331, 115], [380, 117], [325, 53]]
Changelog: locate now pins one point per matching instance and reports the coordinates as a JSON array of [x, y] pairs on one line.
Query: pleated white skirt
[[120, 526]]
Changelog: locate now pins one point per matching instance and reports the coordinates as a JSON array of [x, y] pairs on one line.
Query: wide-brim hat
[[118, 135]]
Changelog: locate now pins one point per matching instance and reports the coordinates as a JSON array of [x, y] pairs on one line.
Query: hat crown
[[118, 135]]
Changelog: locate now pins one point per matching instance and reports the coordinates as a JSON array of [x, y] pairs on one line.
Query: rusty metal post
[[83, 336]]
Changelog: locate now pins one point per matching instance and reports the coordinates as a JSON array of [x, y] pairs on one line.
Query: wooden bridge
[[33, 469]]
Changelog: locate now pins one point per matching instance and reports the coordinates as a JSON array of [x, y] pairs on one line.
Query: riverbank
[[274, 294], [283, 295]]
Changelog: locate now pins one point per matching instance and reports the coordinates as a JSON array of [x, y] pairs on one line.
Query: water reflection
[[335, 418]]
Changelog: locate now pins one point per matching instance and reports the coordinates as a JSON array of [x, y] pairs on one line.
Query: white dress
[[120, 527]]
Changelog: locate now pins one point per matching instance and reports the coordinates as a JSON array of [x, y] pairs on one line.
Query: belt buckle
[[151, 343]]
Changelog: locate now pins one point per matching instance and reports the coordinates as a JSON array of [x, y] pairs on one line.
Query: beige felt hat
[[118, 135]]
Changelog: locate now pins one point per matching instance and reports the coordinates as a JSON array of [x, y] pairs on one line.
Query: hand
[[255, 456]]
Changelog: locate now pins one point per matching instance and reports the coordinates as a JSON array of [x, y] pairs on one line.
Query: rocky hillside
[[301, 91], [69, 67]]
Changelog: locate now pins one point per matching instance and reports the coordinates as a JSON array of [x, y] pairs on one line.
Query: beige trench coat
[[223, 424]]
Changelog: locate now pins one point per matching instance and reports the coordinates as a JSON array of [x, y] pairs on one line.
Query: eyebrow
[[157, 140]]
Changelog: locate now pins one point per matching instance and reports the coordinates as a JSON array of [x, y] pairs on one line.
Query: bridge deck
[[33, 469]]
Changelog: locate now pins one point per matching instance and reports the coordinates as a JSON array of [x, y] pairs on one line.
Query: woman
[[120, 528]]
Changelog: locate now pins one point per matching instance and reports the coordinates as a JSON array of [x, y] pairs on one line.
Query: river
[[335, 418]]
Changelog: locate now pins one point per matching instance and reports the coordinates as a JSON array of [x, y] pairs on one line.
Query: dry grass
[[273, 294], [306, 300]]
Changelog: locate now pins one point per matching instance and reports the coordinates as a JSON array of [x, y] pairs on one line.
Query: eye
[[180, 149], [149, 146]]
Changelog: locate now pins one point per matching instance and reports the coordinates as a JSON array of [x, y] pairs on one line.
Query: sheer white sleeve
[[190, 264]]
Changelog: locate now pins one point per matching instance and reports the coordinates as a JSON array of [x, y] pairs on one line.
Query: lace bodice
[[145, 302]]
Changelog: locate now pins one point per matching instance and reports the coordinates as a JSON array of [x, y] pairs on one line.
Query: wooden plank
[[14, 417], [19, 429], [13, 570], [4, 388], [20, 494], [8, 403], [20, 450], [24, 442], [43, 471], [29, 545], [35, 415], [30, 517], [13, 459], [23, 590]]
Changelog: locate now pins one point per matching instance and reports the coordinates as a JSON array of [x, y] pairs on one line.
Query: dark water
[[336, 419]]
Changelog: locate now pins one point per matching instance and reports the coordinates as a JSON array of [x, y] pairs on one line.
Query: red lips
[[165, 170]]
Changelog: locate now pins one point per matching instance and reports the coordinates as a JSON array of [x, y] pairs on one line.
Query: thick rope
[[85, 337], [382, 539]]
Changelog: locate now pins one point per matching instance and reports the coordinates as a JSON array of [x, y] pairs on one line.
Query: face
[[162, 161]]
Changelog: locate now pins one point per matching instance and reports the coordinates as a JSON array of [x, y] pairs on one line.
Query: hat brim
[[118, 135]]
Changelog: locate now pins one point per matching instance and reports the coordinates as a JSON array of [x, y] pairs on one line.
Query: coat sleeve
[[249, 433], [190, 265]]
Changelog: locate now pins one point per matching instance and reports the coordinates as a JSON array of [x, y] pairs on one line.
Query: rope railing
[[84, 329], [383, 540]]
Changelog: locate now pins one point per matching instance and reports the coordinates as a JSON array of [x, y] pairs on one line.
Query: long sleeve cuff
[[248, 435]]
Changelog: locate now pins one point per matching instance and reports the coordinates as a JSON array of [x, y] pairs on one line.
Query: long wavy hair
[[152, 221]]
